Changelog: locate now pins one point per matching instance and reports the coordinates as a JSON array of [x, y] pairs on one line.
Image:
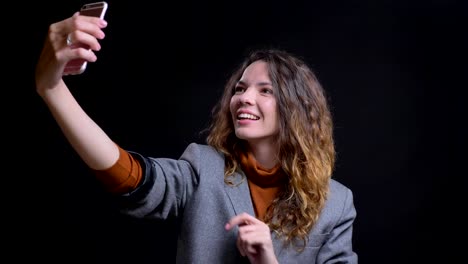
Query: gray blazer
[[192, 190]]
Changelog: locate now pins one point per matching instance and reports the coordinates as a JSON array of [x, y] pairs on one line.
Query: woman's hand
[[254, 239], [83, 31]]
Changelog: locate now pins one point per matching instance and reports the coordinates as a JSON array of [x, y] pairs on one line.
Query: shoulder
[[195, 155], [339, 195], [201, 151], [203, 156], [339, 191], [338, 207]]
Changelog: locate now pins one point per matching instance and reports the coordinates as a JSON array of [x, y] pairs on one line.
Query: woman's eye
[[267, 91], [238, 89]]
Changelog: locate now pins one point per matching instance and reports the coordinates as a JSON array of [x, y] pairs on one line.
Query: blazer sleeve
[[166, 187], [338, 247]]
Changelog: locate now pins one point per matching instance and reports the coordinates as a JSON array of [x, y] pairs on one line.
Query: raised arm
[[92, 144]]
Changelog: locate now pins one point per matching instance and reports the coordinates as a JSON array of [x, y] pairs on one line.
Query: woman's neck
[[266, 154]]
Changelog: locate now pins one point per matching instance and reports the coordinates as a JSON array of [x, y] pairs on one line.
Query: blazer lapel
[[239, 194]]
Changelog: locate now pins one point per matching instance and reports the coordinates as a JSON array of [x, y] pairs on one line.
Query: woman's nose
[[248, 97]]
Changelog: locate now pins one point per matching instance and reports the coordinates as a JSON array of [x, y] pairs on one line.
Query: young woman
[[259, 191]]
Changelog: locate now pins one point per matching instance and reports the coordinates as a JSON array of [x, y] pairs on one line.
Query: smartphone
[[78, 66]]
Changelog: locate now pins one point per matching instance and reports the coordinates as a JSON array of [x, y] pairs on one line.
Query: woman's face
[[253, 106]]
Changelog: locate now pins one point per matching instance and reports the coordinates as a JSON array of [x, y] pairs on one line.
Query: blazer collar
[[239, 194]]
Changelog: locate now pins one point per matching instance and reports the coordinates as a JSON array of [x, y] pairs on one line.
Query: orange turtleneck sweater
[[264, 184]]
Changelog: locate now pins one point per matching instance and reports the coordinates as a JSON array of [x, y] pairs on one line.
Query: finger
[[240, 246], [254, 238], [241, 219], [249, 244], [83, 53], [78, 29], [83, 40], [251, 249], [249, 228], [83, 22], [90, 25], [94, 19], [65, 56]]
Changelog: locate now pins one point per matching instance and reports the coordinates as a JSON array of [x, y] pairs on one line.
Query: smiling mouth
[[245, 116]]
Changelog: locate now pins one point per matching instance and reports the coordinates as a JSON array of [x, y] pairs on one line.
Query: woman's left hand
[[254, 239]]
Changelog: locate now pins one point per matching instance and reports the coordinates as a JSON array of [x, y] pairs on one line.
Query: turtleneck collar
[[259, 175]]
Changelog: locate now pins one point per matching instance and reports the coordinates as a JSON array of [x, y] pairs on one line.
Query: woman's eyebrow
[[257, 84]]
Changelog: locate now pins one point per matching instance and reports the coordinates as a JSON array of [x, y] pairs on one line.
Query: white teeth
[[247, 116]]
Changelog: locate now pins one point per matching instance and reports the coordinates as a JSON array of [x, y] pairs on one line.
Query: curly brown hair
[[306, 145]]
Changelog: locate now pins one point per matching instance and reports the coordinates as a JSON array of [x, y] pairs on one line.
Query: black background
[[394, 72]]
